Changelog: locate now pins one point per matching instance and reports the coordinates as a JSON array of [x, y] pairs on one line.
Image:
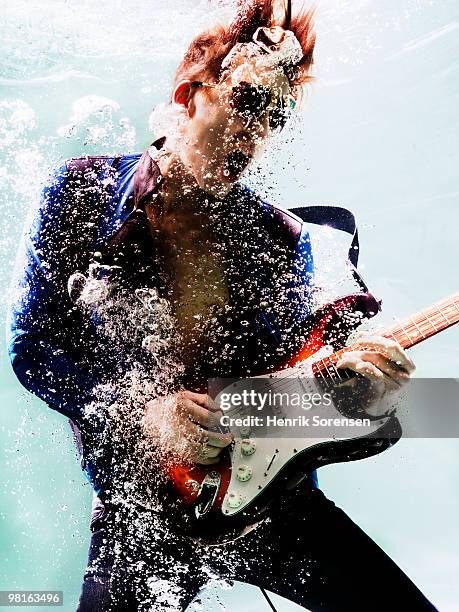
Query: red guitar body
[[218, 506], [329, 326]]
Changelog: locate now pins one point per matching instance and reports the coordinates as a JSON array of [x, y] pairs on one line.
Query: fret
[[318, 371], [433, 320], [405, 332], [338, 374], [328, 376], [430, 322], [427, 327], [447, 307], [440, 311], [417, 327], [453, 314], [452, 305], [326, 363], [389, 333], [455, 305]]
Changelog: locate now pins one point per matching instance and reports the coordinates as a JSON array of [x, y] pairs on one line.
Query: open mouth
[[235, 163]]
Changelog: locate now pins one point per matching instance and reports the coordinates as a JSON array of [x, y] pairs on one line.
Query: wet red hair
[[204, 57]]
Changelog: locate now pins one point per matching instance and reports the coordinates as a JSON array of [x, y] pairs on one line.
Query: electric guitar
[[226, 497]]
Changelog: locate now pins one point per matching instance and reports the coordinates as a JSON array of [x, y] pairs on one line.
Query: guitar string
[[409, 330], [425, 316], [328, 361], [429, 316], [325, 364]]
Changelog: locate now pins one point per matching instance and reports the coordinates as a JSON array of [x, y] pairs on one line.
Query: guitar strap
[[338, 218]]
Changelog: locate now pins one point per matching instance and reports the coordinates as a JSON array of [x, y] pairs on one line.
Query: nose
[[258, 127], [254, 132]]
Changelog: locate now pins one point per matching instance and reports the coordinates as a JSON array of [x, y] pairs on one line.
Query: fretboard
[[407, 333]]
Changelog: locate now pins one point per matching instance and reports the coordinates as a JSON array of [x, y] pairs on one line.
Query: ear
[[182, 95]]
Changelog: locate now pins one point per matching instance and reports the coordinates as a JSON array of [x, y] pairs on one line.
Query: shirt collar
[[148, 177]]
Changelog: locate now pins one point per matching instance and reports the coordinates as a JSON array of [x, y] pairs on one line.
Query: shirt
[[55, 353]]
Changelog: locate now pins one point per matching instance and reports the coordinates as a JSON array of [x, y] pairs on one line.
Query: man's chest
[[218, 297], [199, 292]]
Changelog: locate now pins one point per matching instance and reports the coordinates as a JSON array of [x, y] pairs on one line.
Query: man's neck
[[179, 191], [181, 202]]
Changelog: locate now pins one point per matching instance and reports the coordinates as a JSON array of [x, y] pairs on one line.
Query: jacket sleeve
[[38, 343]]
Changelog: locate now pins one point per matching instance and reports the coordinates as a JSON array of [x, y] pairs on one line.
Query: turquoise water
[[379, 136]]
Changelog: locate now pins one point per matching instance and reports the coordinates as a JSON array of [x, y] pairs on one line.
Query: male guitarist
[[176, 229]]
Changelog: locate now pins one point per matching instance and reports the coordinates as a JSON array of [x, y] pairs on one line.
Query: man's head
[[236, 85]]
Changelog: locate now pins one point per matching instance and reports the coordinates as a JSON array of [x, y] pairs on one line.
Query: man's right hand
[[179, 423]]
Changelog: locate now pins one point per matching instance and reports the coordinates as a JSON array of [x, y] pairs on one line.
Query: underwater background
[[378, 135]]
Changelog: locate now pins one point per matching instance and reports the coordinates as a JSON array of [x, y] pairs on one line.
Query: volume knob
[[248, 447], [234, 500], [244, 473]]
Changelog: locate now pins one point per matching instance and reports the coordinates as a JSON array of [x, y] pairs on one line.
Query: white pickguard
[[251, 473]]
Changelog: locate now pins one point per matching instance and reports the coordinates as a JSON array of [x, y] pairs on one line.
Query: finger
[[387, 366], [199, 398], [204, 400], [369, 370], [194, 433], [205, 454], [220, 440], [208, 436], [353, 361], [207, 419], [195, 412], [209, 452], [207, 461], [374, 373], [390, 347]]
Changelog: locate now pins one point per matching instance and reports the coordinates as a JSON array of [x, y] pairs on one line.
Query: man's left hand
[[381, 360]]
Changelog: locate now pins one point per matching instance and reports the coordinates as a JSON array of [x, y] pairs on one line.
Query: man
[[145, 277]]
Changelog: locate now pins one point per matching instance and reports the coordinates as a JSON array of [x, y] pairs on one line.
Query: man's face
[[220, 140]]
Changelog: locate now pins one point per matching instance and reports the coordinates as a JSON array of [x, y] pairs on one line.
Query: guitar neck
[[426, 323], [407, 333]]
